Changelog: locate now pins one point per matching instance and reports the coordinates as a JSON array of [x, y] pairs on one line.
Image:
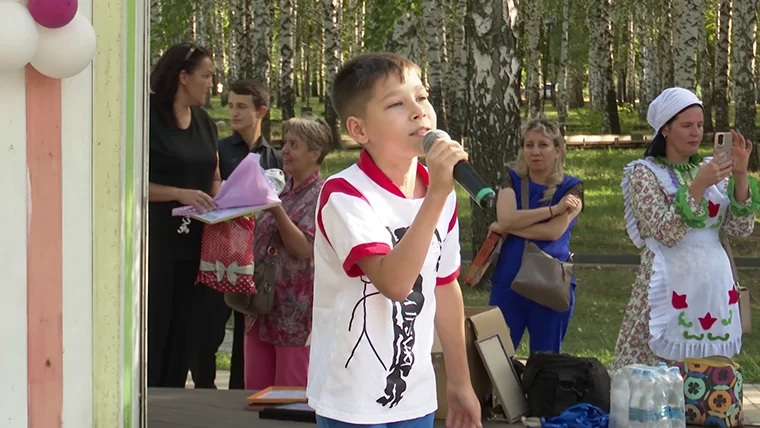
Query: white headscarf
[[668, 104]]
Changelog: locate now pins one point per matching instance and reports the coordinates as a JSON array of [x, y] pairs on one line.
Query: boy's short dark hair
[[254, 88], [353, 84]]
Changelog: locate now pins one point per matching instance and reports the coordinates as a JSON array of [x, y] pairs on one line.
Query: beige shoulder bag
[[541, 277], [746, 299]]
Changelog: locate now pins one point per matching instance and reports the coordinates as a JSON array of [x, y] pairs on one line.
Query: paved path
[[624, 260], [752, 404]]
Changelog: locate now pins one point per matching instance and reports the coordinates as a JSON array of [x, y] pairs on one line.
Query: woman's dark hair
[[656, 147], [164, 80]]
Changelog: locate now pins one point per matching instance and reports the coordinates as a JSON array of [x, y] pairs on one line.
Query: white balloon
[[18, 36], [66, 51]]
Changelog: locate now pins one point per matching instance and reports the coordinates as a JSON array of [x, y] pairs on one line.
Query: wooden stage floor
[[203, 408]]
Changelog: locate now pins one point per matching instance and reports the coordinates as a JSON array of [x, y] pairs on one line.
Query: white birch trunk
[[261, 41], [332, 61], [155, 32], [460, 83], [494, 93], [722, 44], [533, 19], [630, 67], [688, 18], [562, 98], [287, 70], [744, 30], [432, 22]]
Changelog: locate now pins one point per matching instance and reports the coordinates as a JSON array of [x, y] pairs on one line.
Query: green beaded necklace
[[682, 169]]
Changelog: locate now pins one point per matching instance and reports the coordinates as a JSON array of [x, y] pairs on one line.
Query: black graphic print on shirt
[[403, 317]]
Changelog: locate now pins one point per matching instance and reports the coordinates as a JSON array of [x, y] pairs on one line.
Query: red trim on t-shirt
[[335, 185], [359, 252], [368, 166], [449, 279], [453, 220]]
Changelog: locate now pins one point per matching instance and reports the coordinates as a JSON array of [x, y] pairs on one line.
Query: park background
[[593, 65]]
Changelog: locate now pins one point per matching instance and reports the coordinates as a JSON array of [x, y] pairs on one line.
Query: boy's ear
[[356, 130]]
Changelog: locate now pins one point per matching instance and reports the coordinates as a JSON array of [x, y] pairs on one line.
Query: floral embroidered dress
[[289, 322], [684, 301]]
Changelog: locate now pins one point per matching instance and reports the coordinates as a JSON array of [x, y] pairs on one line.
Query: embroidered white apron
[[694, 304]]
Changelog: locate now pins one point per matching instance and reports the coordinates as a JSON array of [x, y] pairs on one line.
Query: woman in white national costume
[[684, 302]]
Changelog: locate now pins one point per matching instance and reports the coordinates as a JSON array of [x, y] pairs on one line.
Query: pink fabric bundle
[[247, 186]]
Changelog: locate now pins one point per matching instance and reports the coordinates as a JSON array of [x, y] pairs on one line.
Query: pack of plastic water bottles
[[647, 397]]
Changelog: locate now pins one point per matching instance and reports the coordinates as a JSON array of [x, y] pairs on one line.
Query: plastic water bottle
[[676, 402], [637, 413], [620, 395], [660, 395]]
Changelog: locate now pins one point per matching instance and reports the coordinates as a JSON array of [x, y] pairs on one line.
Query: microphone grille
[[431, 137]]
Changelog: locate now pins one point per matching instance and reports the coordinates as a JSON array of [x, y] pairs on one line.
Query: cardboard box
[[480, 322]]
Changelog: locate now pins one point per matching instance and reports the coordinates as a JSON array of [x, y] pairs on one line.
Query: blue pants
[[546, 327], [423, 422]]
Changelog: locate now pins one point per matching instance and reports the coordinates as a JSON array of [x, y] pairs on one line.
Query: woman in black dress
[[184, 170]]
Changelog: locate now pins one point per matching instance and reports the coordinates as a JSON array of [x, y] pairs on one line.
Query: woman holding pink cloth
[[275, 344]]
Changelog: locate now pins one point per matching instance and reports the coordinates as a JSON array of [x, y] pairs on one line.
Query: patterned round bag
[[713, 393]]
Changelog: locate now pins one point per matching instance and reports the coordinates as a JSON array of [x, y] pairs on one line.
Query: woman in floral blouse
[[684, 302], [275, 351]]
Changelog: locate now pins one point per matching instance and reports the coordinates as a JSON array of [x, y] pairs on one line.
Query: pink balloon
[[52, 13]]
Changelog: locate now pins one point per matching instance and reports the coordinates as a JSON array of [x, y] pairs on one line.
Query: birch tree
[[600, 40], [405, 39], [706, 74], [630, 64], [720, 92], [243, 21], [494, 93], [459, 73], [433, 23], [155, 33], [532, 17], [260, 46], [562, 99], [744, 31], [688, 19], [287, 71], [332, 62]]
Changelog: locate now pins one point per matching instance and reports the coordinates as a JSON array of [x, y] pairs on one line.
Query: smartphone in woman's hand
[[723, 143]]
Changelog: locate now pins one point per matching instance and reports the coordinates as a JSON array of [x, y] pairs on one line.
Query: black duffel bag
[[554, 382]]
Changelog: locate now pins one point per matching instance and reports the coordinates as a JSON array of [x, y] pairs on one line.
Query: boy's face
[[243, 112], [397, 117]]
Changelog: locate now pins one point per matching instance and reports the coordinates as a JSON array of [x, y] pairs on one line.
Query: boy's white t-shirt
[[370, 358]]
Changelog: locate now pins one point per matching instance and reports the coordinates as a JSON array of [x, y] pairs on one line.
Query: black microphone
[[484, 196]]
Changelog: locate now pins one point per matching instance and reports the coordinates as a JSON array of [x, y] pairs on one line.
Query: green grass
[[601, 298], [601, 227], [602, 294], [223, 360]]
